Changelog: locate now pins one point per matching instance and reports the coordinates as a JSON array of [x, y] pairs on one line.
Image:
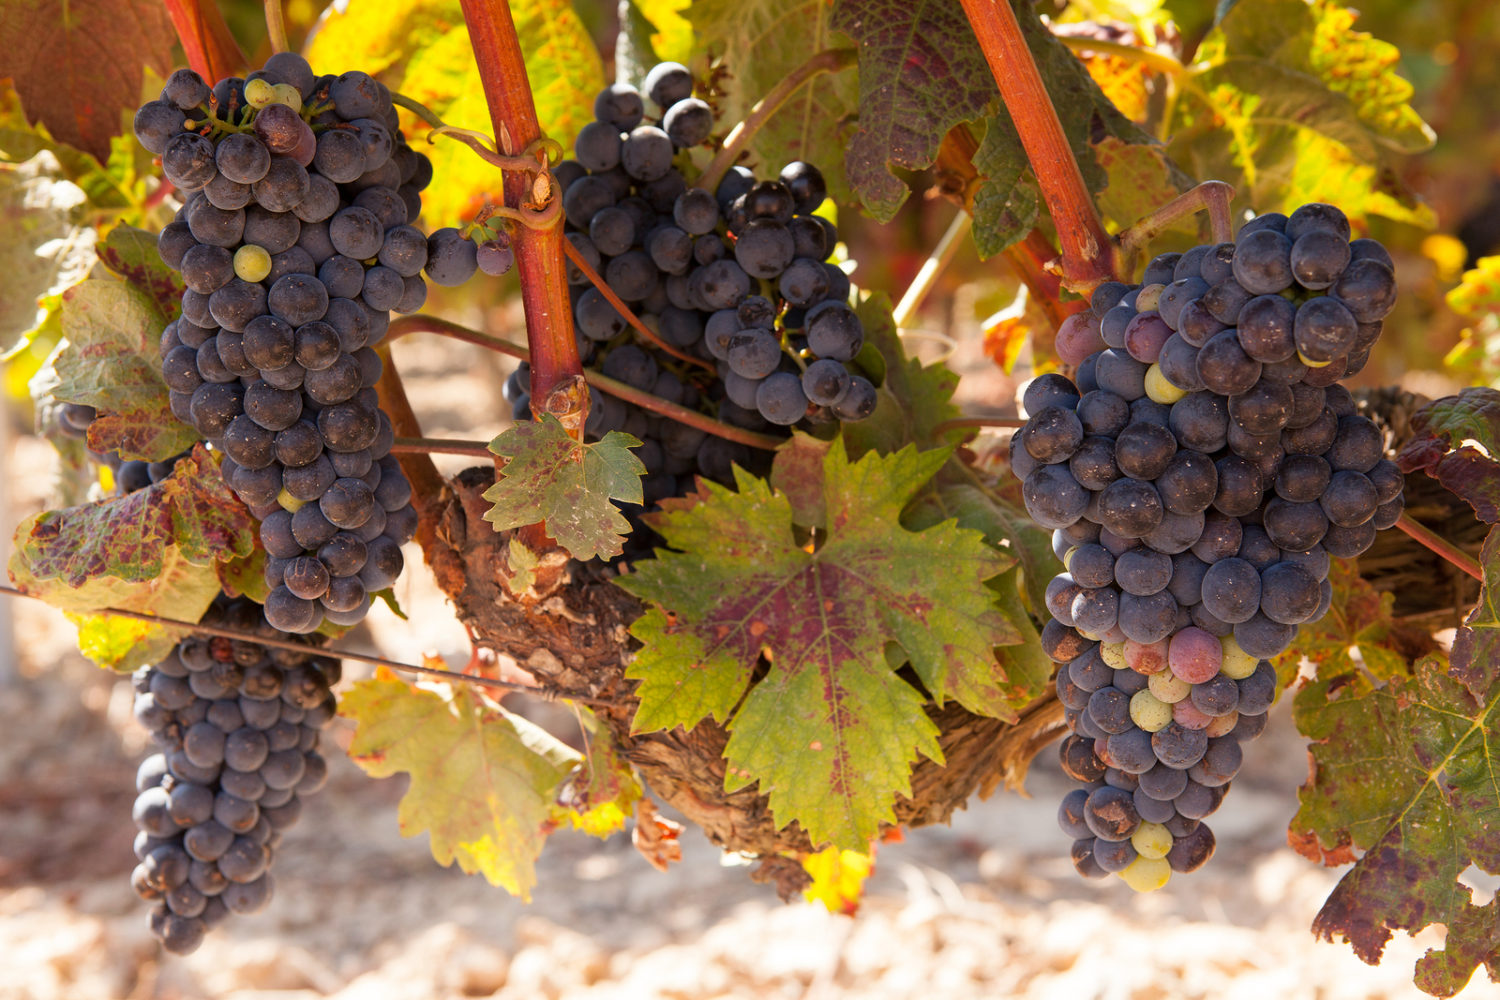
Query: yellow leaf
[[482, 780], [838, 878]]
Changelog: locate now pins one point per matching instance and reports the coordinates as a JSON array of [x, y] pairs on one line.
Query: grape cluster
[[236, 727], [738, 277], [295, 242], [1198, 477]]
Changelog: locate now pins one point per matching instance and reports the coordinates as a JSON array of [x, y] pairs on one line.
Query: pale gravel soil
[[986, 908]]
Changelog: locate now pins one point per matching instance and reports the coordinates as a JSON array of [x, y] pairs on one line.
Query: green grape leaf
[[181, 589], [1004, 524], [758, 43], [1287, 102], [245, 576], [130, 253], [913, 399], [797, 474], [831, 731], [600, 795], [1475, 661], [48, 244], [421, 48], [1142, 178], [553, 480], [482, 780], [77, 64], [1434, 810], [921, 72], [1440, 445], [192, 511], [111, 361], [1006, 204], [1356, 631]]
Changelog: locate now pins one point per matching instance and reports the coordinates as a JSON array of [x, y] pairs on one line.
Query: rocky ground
[[986, 908]]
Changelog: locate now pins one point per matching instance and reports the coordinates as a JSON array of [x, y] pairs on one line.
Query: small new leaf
[[553, 480], [1434, 810], [600, 795], [483, 781], [831, 731], [1442, 432], [838, 878]]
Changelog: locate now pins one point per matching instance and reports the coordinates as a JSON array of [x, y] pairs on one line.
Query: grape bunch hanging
[[1198, 477], [738, 277], [236, 726], [294, 241]]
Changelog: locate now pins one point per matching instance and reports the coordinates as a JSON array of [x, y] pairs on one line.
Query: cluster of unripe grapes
[[236, 727], [1198, 476], [295, 241]]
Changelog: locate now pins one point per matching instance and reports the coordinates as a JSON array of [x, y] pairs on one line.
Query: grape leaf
[[838, 878], [111, 361], [759, 43], [421, 48], [831, 731], [1353, 634], [128, 538], [553, 480], [77, 64], [1439, 445], [600, 795], [1142, 178], [913, 399], [1434, 810], [1283, 95], [1006, 204], [131, 254], [123, 644], [1475, 661], [1478, 293], [921, 72], [48, 245], [482, 780], [181, 589]]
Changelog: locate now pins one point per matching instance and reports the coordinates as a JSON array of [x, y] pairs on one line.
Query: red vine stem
[[1434, 542], [1087, 250], [962, 422], [211, 49], [624, 310], [431, 324], [539, 255], [548, 693]]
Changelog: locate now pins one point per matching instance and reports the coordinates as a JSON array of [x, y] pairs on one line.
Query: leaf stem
[[942, 255], [440, 446], [1212, 197], [417, 323], [827, 61], [539, 255], [276, 26], [271, 642], [207, 41], [417, 108], [1087, 250], [1434, 542], [625, 311], [1159, 61]]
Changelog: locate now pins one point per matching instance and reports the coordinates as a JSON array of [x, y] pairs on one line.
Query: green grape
[[252, 263], [288, 95], [259, 93]]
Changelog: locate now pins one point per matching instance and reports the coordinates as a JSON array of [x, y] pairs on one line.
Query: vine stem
[[1434, 542], [417, 323], [1087, 250], [207, 41], [440, 446], [827, 61], [276, 26], [625, 311], [556, 369], [1212, 197], [341, 654], [1159, 61]]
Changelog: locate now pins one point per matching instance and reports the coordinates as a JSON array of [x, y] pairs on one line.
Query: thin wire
[[340, 654]]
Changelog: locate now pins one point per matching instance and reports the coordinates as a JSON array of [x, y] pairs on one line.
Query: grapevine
[[792, 581]]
